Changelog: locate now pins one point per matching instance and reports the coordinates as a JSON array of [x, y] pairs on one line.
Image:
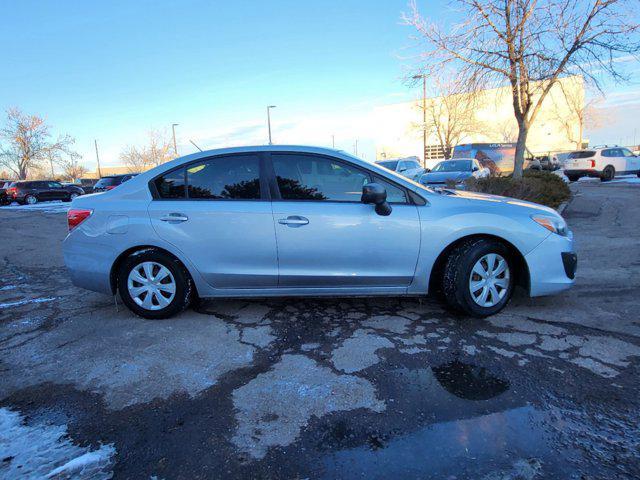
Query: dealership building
[[557, 127]]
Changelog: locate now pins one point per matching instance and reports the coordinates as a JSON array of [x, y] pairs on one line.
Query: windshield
[[581, 154], [453, 166], [390, 164]]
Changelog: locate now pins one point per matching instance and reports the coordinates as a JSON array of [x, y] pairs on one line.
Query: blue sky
[[113, 70]]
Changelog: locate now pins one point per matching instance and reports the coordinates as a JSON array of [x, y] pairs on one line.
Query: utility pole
[[95, 142], [175, 146], [333, 141], [355, 148], [269, 107], [424, 117]]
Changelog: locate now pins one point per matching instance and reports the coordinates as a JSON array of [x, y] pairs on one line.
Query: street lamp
[[424, 116], [269, 107], [175, 147]]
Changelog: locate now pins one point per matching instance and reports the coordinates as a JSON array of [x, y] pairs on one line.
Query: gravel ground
[[324, 388]]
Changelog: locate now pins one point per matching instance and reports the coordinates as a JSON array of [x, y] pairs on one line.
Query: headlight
[[553, 224]]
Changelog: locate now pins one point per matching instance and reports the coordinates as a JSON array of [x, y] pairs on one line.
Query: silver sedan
[[291, 220]]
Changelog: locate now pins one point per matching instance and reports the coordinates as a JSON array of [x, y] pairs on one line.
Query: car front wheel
[[30, 200], [478, 277], [154, 285]]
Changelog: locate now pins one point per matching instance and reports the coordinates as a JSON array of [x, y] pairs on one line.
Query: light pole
[[424, 117], [95, 142], [175, 146], [269, 107]]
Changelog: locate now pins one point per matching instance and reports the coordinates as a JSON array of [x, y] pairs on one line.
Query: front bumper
[[552, 265]]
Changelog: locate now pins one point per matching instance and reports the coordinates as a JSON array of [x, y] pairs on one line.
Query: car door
[[327, 238], [632, 163], [41, 190], [217, 212], [57, 191]]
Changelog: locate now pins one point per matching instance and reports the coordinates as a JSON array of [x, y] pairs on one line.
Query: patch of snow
[[7, 287], [561, 174], [25, 302], [45, 451], [46, 207]]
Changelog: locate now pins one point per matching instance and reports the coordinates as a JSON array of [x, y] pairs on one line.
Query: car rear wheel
[[573, 178], [30, 200], [478, 277], [154, 285], [608, 173]]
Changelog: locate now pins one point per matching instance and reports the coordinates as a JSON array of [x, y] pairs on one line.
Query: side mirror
[[375, 194], [475, 169]]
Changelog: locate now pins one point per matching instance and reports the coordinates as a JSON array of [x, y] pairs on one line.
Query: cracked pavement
[[324, 388]]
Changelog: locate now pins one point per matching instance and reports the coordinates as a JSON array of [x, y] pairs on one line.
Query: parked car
[[456, 171], [112, 181], [4, 184], [34, 191], [408, 167], [86, 184], [601, 162], [300, 221], [549, 162]]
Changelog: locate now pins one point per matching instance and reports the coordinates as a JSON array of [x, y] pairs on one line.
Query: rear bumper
[[583, 172], [88, 263], [552, 266]]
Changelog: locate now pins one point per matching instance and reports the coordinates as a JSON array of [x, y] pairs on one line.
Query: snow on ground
[[627, 179], [46, 207], [44, 451], [24, 302]]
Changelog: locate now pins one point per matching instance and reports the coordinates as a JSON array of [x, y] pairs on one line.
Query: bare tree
[[71, 167], [530, 44], [576, 111], [506, 130], [26, 143], [450, 114], [157, 151]]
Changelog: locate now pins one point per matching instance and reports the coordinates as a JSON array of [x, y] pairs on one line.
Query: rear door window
[[235, 177]]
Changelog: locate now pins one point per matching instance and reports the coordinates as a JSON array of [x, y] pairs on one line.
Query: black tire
[[184, 284], [608, 174], [573, 178], [638, 173], [26, 200], [457, 273]]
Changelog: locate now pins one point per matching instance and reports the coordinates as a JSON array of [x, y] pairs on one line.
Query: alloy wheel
[[489, 280], [151, 285]]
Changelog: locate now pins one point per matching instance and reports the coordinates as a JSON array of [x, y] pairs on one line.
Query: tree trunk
[[521, 144]]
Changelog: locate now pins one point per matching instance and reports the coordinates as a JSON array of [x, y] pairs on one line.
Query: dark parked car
[[4, 184], [111, 182], [86, 184], [34, 191]]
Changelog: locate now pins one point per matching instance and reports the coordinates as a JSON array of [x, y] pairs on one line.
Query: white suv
[[602, 162]]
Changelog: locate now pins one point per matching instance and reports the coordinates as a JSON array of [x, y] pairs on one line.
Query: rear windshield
[[581, 154], [108, 181]]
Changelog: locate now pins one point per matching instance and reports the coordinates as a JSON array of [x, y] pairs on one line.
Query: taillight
[[76, 216], [110, 187], [11, 191], [593, 164]]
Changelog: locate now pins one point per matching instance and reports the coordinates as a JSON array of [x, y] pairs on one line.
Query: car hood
[[498, 200], [442, 177]]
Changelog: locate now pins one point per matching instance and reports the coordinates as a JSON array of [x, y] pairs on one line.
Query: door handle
[[174, 217], [294, 221]]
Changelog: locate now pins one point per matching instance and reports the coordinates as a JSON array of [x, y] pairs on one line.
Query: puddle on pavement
[[472, 426]]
